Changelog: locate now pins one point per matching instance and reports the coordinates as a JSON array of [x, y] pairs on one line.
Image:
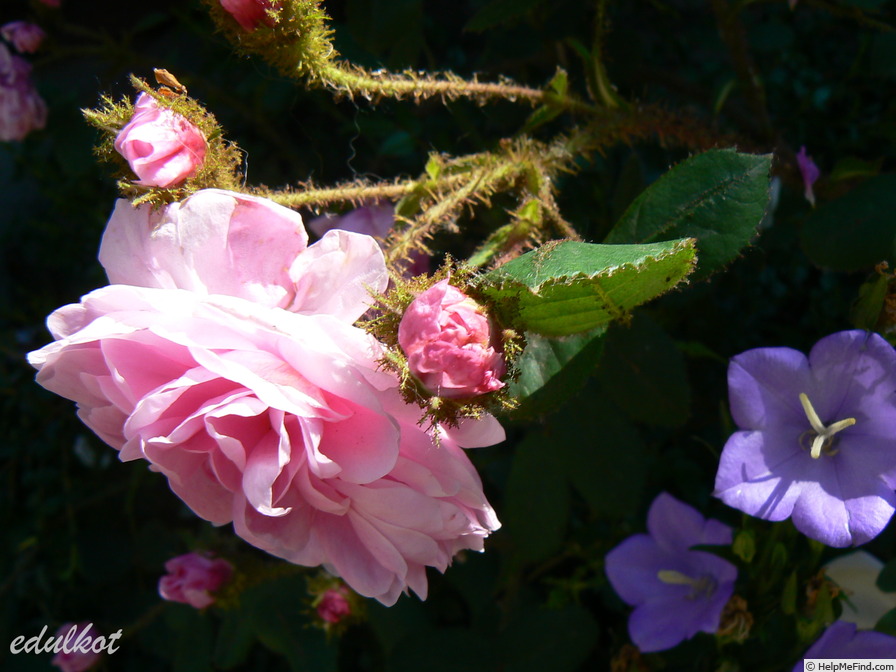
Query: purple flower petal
[[842, 640], [764, 386], [818, 437]]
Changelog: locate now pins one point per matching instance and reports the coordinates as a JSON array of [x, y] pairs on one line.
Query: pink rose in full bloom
[[22, 110], [75, 659], [334, 605], [249, 13], [25, 36], [271, 413], [161, 146], [192, 577], [449, 344]]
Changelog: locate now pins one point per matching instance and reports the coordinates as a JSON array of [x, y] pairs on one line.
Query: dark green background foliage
[[641, 409]]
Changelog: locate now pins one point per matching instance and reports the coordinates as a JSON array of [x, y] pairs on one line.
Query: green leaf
[[644, 373], [235, 640], [601, 454], [274, 610], [536, 505], [552, 369], [854, 232], [744, 545], [788, 595], [569, 287], [557, 640], [870, 302], [718, 197]]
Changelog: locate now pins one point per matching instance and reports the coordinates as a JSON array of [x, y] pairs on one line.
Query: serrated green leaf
[[553, 369], [856, 231], [569, 287], [718, 197]]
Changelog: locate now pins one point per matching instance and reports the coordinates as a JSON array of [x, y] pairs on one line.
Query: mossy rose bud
[[250, 13], [162, 147], [450, 345]]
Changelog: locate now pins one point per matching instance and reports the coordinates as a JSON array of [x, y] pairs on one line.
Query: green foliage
[[569, 287], [718, 197], [855, 232]]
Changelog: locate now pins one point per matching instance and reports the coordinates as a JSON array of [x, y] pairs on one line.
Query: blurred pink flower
[[22, 110], [279, 420], [192, 577], [249, 13], [75, 659], [374, 220], [51, 3], [24, 36], [334, 605], [810, 173], [449, 344], [161, 146]]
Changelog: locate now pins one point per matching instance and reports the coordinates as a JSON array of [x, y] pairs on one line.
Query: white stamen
[[823, 435]]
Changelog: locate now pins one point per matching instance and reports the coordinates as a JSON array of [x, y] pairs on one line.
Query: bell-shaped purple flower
[[842, 640], [818, 437], [677, 592]]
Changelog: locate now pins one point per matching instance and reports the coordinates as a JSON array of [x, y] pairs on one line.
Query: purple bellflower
[[677, 592], [810, 173], [842, 640], [818, 437]]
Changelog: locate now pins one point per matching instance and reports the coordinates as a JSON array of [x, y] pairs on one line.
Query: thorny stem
[[352, 80]]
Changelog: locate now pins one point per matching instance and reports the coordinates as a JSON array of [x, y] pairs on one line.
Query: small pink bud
[[448, 341], [250, 13], [75, 651], [193, 577], [26, 37], [810, 173], [334, 605], [161, 146]]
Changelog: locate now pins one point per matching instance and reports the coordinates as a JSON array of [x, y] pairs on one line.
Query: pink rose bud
[[249, 13], [76, 649], [24, 36], [449, 344], [161, 146], [22, 110], [192, 578], [810, 173], [334, 605]]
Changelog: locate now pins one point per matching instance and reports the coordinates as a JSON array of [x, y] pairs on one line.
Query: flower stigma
[[824, 436], [704, 586]]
